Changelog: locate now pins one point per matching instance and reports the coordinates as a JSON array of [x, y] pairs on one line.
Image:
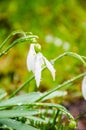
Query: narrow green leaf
[[37, 119], [10, 36], [18, 113], [21, 99], [75, 55], [16, 124], [53, 105], [2, 93], [19, 40], [29, 98], [55, 94]]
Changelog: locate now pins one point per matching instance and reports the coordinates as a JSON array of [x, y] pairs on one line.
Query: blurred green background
[[61, 27]]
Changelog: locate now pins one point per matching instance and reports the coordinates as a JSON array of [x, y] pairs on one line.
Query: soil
[[78, 109]]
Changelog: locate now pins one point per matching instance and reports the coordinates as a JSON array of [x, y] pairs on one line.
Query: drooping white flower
[[50, 67], [31, 58], [36, 61], [38, 68], [84, 87]]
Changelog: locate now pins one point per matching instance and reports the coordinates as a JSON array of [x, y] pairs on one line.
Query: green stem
[[80, 116], [59, 121], [22, 39], [54, 118], [75, 55], [11, 35], [58, 106], [84, 57], [61, 86], [21, 87]]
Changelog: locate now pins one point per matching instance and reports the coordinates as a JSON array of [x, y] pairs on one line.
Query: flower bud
[[37, 47], [72, 124], [34, 40]]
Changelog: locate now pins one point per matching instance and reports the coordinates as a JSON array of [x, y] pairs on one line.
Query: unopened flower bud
[[72, 125], [37, 47], [34, 40]]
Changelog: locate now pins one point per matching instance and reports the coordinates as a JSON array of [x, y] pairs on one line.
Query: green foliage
[[30, 111], [60, 24], [15, 125], [2, 94], [64, 20]]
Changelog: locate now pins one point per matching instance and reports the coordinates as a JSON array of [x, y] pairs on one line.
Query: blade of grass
[[16, 124], [19, 40], [75, 55], [21, 87], [61, 86], [10, 36]]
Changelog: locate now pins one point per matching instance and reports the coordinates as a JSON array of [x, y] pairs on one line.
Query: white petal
[[31, 58], [50, 67], [40, 56], [38, 69], [84, 87]]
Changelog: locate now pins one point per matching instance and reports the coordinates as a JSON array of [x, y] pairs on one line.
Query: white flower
[[84, 87], [36, 61]]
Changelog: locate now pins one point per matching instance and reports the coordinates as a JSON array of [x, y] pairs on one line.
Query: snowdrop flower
[[84, 87], [36, 62]]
